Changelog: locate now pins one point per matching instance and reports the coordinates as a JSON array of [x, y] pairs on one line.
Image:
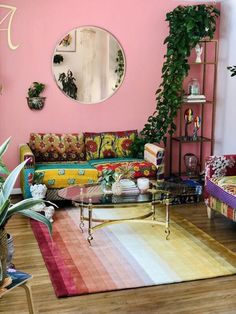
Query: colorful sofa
[[220, 185], [69, 159]]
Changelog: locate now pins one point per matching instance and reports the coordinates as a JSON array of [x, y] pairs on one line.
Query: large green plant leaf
[[36, 216], [3, 212], [4, 147], [10, 182]]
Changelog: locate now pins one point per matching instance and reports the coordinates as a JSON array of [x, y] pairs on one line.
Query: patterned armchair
[[220, 186]]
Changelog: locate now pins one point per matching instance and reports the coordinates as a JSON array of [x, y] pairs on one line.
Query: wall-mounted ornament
[[97, 61], [10, 11], [35, 101]]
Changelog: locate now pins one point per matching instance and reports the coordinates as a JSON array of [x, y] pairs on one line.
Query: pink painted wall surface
[[140, 27]]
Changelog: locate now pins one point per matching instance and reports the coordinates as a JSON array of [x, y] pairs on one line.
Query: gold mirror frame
[[88, 64]]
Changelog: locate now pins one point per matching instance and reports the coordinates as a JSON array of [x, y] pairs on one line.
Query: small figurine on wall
[[198, 50], [188, 118], [197, 124]]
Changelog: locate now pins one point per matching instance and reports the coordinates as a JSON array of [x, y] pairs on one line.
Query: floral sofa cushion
[[57, 147], [109, 144], [61, 174], [139, 168]]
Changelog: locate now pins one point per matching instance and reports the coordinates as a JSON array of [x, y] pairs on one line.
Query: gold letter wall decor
[[11, 13]]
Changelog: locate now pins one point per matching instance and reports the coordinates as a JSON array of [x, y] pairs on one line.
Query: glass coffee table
[[91, 197]]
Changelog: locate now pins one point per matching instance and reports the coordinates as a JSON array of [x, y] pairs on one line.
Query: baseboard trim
[[16, 191]]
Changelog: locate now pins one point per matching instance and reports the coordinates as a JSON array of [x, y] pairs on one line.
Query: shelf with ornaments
[[195, 119]]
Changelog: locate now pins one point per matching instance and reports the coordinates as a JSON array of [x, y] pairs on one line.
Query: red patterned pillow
[[57, 147]]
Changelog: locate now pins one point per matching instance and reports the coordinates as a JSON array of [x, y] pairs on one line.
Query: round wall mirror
[[88, 64]]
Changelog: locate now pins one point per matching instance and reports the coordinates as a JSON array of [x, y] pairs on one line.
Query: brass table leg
[[27, 288], [81, 225], [90, 230], [167, 229]]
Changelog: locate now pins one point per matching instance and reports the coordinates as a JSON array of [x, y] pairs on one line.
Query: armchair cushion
[[57, 147], [223, 192]]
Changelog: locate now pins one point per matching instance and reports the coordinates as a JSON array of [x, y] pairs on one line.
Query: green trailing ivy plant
[[188, 25]]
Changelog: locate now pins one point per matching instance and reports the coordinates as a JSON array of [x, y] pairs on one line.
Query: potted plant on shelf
[[7, 209], [35, 101]]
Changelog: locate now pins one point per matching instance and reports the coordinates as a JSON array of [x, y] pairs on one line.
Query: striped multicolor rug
[[127, 255]]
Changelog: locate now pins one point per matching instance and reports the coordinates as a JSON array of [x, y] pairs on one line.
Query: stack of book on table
[[194, 98], [129, 187]]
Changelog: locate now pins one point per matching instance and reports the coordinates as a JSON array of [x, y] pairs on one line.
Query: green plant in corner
[[188, 25]]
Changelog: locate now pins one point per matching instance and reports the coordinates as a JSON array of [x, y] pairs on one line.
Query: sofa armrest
[[27, 173], [156, 155], [218, 166]]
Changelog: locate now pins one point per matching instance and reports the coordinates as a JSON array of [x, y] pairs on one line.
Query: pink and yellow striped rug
[[127, 255]]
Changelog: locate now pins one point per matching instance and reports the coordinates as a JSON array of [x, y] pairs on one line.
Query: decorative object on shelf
[[194, 99], [68, 84], [188, 118], [198, 49], [193, 23], [197, 124], [7, 210], [57, 59], [193, 87], [191, 164], [143, 184], [35, 101], [97, 63], [232, 69]]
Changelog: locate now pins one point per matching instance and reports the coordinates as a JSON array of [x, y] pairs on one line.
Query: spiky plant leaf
[[36, 216], [4, 147], [10, 182]]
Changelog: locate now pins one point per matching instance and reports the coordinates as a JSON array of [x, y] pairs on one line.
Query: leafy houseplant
[[7, 209], [35, 101], [58, 59], [188, 25]]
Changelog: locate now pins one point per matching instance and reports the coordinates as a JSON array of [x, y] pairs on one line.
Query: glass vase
[[193, 87]]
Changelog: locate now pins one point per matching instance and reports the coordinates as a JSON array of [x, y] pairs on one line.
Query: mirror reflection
[[88, 64]]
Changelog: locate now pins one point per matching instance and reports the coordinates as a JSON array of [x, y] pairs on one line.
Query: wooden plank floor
[[203, 296]]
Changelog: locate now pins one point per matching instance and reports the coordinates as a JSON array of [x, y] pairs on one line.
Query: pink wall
[[37, 26]]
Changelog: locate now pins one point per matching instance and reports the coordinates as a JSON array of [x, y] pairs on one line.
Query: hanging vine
[[188, 25]]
